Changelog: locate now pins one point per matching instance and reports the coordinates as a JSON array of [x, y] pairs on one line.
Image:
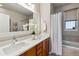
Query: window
[[71, 25]]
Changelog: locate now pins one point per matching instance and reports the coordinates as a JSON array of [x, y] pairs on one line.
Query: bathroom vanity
[[26, 46], [40, 49]]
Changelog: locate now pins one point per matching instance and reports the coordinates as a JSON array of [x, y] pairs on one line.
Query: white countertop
[[31, 43]]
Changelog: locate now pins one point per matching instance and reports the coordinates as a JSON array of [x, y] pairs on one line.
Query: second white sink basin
[[15, 47]]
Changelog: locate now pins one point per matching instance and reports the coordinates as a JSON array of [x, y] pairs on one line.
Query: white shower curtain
[[56, 33]]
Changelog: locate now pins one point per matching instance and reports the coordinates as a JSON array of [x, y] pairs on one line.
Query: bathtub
[[70, 48]]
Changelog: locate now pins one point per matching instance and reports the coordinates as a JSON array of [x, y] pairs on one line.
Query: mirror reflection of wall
[[22, 25], [17, 17], [4, 23], [31, 25], [25, 23], [20, 18]]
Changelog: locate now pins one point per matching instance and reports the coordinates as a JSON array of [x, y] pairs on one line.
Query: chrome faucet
[[14, 39]]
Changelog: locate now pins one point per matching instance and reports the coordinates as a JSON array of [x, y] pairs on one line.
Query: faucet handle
[[14, 38]]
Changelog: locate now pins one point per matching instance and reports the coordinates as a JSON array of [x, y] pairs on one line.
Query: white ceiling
[[16, 7]]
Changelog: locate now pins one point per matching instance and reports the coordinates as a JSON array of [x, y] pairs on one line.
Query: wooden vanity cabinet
[[31, 52], [41, 49], [46, 47]]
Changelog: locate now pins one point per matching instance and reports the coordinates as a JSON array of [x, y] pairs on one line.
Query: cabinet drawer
[[40, 45], [40, 49], [40, 54]]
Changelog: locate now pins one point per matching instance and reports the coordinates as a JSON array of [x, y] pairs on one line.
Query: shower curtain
[[56, 33]]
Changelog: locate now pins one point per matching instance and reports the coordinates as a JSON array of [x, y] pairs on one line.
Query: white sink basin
[[15, 47]]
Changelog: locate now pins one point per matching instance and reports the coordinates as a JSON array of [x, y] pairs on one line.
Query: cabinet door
[[31, 52], [45, 47], [40, 49]]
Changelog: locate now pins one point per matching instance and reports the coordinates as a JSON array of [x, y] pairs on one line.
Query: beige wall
[[67, 7], [69, 35], [14, 16], [42, 15], [45, 15]]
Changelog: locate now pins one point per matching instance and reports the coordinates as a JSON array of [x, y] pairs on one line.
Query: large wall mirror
[[15, 17]]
